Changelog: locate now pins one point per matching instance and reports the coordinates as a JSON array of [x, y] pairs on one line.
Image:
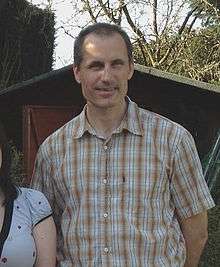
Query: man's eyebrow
[[95, 63], [118, 61]]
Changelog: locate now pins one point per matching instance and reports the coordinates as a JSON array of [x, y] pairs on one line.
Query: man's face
[[104, 71]]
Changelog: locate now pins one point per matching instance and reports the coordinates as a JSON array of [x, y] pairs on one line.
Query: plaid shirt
[[116, 201]]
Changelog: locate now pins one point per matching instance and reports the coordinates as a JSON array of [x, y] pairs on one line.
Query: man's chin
[[104, 104]]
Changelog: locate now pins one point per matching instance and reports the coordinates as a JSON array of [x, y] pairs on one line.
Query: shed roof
[[44, 78], [178, 78]]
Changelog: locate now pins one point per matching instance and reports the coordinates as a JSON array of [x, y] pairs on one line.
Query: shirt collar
[[131, 121]]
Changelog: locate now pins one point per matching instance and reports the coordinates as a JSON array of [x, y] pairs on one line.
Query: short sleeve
[[189, 190], [38, 205], [42, 174]]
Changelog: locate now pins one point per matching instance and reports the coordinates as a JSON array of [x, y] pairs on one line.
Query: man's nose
[[106, 74]]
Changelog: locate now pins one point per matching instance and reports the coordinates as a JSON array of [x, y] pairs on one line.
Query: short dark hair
[[101, 29], [7, 187]]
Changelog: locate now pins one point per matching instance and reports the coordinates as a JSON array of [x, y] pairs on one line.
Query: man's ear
[[76, 72], [131, 71]]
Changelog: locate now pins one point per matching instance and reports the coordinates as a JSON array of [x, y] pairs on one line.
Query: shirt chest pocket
[[140, 200]]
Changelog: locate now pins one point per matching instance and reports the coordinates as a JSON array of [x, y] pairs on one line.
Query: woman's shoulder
[[38, 204], [30, 193]]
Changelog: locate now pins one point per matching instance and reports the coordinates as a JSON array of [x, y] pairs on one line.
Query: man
[[126, 184]]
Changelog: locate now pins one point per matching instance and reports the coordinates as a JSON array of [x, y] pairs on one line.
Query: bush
[[17, 170]]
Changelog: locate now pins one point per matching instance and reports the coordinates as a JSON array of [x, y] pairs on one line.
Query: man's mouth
[[107, 89]]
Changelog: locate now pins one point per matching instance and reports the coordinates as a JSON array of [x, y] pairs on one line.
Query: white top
[[18, 247]]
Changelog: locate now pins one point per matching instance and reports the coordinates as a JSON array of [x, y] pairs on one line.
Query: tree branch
[[177, 37], [186, 20], [107, 11], [155, 18], [89, 9]]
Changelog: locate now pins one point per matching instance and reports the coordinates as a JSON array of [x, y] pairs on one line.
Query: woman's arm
[[45, 239]]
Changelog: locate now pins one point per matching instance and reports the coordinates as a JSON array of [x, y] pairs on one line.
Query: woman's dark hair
[[100, 29], [7, 187]]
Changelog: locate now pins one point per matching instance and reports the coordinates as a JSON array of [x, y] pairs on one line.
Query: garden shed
[[32, 109]]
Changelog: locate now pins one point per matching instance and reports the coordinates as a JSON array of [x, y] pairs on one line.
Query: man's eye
[[95, 66], [118, 63]]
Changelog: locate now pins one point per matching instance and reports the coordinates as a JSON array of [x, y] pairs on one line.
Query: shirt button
[[106, 250], [105, 147], [104, 181], [105, 215]]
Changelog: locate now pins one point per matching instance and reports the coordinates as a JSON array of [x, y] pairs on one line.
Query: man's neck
[[105, 121]]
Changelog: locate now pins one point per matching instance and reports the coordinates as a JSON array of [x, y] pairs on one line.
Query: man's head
[[103, 65], [100, 29]]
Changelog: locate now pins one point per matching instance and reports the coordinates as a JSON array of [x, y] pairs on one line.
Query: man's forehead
[[103, 48], [93, 37], [89, 45], [94, 42]]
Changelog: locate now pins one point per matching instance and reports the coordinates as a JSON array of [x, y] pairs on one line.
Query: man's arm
[[41, 177], [195, 233]]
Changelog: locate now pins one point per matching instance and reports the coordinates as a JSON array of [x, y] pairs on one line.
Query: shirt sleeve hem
[[44, 218], [189, 212]]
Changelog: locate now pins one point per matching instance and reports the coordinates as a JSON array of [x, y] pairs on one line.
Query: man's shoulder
[[162, 130], [157, 121]]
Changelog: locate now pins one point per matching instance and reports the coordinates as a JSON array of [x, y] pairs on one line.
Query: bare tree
[[161, 30]]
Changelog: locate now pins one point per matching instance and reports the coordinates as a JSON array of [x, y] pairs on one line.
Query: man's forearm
[[194, 250], [195, 233]]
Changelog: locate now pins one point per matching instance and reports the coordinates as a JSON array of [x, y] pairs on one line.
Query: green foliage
[[17, 170], [26, 41], [211, 167], [207, 10], [196, 55], [215, 3], [200, 56]]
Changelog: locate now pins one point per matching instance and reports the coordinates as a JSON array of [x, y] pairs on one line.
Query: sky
[[63, 10]]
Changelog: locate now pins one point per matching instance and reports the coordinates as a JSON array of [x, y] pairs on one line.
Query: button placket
[[106, 249], [106, 219], [105, 215], [105, 182]]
